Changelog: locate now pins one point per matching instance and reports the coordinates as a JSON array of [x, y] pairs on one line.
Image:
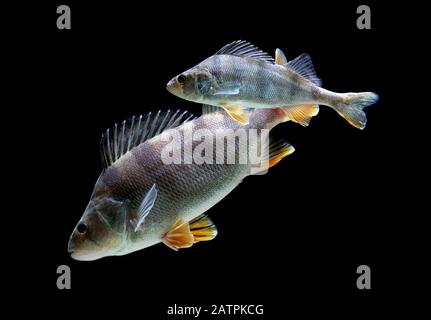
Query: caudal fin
[[351, 107]]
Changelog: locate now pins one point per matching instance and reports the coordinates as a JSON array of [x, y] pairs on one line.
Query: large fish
[[139, 200], [240, 76]]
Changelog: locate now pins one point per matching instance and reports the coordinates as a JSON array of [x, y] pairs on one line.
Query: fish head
[[102, 229], [196, 85]]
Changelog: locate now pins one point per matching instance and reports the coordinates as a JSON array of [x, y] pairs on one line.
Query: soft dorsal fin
[[120, 139], [243, 48], [303, 66], [280, 58]]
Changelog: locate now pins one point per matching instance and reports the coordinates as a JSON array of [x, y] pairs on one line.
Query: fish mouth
[[70, 245], [172, 87], [169, 87], [87, 255], [70, 248]]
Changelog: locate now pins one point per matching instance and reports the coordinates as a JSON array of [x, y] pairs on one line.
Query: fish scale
[[240, 77], [188, 190], [138, 181], [261, 83]]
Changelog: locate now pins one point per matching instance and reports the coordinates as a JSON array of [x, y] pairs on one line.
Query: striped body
[[184, 190], [262, 84], [240, 76]]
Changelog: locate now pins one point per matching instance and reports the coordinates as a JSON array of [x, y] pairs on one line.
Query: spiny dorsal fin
[[243, 48], [120, 139], [303, 66]]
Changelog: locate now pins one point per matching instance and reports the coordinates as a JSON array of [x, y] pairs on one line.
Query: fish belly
[[192, 192]]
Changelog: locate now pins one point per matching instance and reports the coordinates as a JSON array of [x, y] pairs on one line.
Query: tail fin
[[351, 106]]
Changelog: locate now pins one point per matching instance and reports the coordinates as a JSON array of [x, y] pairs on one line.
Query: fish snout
[[80, 250], [174, 87], [71, 244]]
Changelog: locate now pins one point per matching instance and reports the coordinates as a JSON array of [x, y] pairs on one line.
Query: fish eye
[[181, 79], [82, 228]]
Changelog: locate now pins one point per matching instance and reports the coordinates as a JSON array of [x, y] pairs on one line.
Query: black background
[[290, 240]]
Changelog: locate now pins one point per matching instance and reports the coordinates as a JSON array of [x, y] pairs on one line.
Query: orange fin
[[202, 228], [280, 58], [301, 114], [278, 149], [179, 236], [237, 113]]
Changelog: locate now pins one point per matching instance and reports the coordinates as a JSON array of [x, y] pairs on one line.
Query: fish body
[[137, 180], [240, 76], [260, 84]]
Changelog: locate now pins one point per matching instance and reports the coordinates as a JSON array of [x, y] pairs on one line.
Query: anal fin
[[301, 114], [237, 113], [202, 228], [278, 150]]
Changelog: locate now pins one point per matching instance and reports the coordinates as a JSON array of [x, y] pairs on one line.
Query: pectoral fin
[[228, 88], [146, 206], [179, 236], [301, 114], [237, 113]]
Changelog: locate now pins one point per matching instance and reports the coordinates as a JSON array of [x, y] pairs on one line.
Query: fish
[[139, 201], [240, 77]]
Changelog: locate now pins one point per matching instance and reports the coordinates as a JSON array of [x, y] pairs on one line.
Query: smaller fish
[[240, 76]]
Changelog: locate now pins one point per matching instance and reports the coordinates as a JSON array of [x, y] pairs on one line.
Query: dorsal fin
[[120, 139], [280, 58], [303, 66], [243, 48]]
